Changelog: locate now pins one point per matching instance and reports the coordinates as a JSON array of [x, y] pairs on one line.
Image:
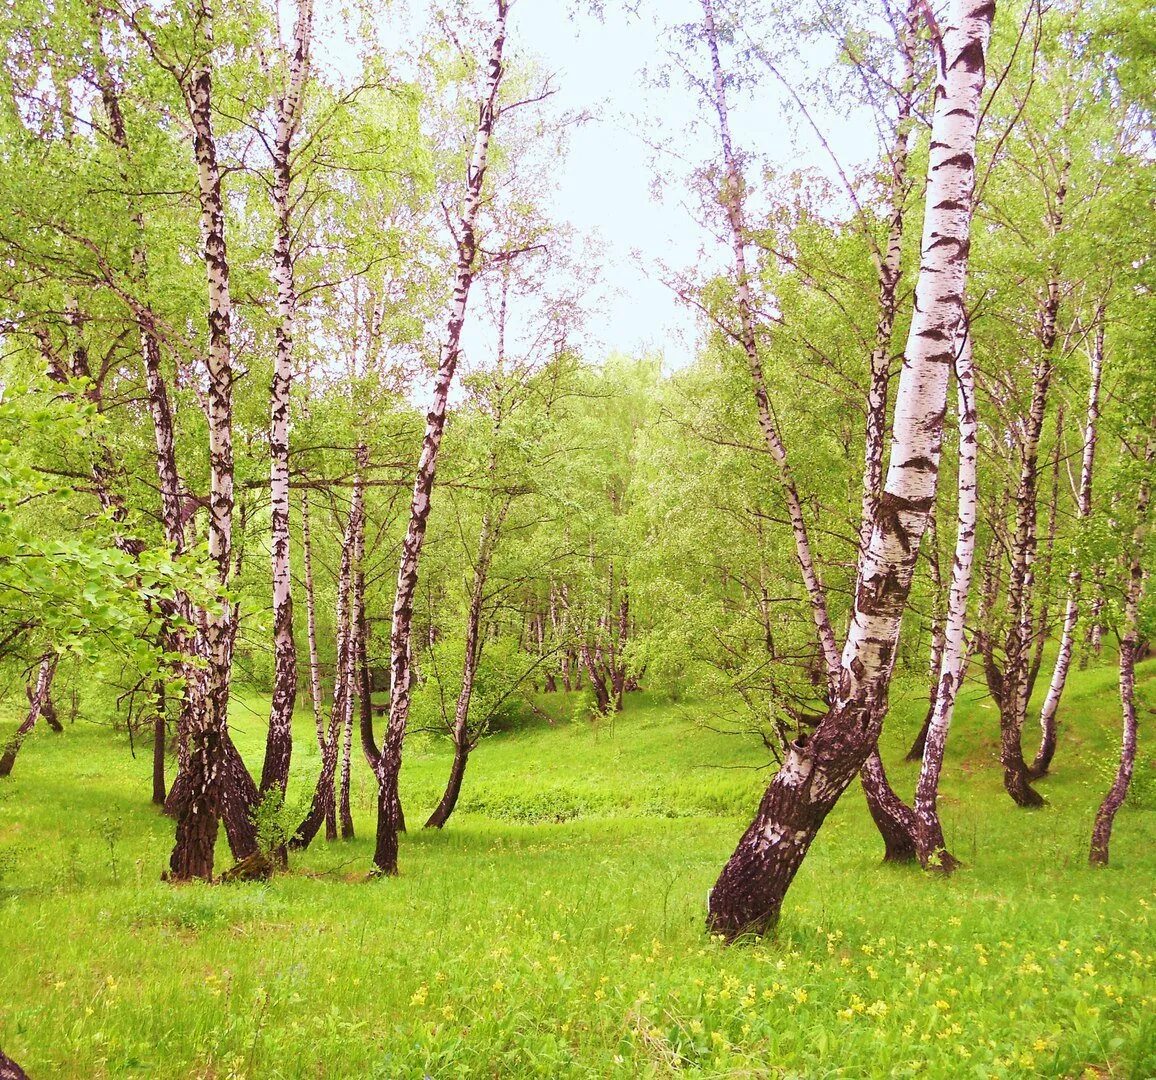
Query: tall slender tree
[[387, 762]]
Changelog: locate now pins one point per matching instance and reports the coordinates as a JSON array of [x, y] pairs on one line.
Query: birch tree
[[288, 108], [387, 762], [749, 893]]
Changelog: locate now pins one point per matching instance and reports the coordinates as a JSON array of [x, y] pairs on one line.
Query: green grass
[[556, 927]]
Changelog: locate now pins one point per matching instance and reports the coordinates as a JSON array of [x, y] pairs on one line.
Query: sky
[[607, 67]]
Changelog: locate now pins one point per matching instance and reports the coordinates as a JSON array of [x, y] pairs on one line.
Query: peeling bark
[[207, 735]]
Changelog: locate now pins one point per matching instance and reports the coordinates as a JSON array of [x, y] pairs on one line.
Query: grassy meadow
[[555, 928]]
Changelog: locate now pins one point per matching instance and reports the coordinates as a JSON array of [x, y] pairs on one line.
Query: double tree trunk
[[279, 743], [322, 807], [1047, 750], [200, 810], [1129, 647], [39, 698], [749, 893], [893, 820], [388, 761], [1011, 686]]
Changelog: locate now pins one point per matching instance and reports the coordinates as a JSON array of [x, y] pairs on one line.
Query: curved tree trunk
[[749, 893], [322, 807], [1016, 678], [892, 816], [1047, 750], [1129, 646], [38, 694], [389, 760], [487, 542]]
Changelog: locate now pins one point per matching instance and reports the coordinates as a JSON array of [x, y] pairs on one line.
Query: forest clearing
[[577, 538], [555, 928]]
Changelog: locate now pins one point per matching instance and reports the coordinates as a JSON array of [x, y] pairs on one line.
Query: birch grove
[[332, 417]]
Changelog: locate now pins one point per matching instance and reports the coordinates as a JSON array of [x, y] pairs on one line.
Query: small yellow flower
[[800, 995]]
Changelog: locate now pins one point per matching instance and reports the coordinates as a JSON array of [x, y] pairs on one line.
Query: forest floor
[[555, 928]]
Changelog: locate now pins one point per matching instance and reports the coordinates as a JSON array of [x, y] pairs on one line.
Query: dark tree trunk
[[894, 819], [453, 788], [160, 735], [1131, 646], [9, 1070], [401, 674], [198, 811]]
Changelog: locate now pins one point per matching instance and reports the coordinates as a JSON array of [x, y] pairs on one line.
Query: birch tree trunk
[[311, 621], [37, 700], [389, 760], [748, 896], [460, 733], [930, 846], [1046, 752], [731, 196], [200, 810], [322, 807], [279, 744], [358, 628], [1129, 647], [1012, 685]]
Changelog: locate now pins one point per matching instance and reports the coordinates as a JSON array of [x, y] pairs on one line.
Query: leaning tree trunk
[[731, 198], [931, 847], [894, 820], [389, 759], [177, 641], [192, 855], [460, 733], [882, 800], [279, 743], [1129, 646], [749, 893], [1047, 750], [37, 698]]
